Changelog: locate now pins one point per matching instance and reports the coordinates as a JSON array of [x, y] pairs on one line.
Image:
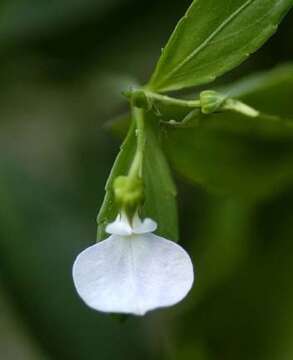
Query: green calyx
[[129, 193], [211, 101], [129, 189]]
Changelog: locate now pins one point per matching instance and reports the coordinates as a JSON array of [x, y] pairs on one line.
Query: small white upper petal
[[143, 227], [133, 274], [120, 226]]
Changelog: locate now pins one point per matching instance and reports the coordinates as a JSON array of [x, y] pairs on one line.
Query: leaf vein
[[209, 38]]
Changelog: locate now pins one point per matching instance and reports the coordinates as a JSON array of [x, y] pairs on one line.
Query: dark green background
[[63, 64]]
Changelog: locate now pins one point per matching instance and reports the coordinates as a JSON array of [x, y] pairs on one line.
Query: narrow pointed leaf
[[213, 38], [160, 191], [122, 163]]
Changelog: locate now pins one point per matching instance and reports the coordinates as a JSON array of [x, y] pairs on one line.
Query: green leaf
[[160, 191], [121, 166], [233, 154], [269, 92], [214, 37]]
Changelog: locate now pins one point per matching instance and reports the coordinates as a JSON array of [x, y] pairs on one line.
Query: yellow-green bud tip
[[211, 101]]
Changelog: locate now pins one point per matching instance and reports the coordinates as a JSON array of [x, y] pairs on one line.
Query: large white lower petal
[[133, 274]]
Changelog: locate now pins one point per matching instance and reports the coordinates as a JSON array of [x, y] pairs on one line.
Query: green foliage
[[109, 208], [269, 91], [229, 153], [159, 189], [234, 154], [214, 37]]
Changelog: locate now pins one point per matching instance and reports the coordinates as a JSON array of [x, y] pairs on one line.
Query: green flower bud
[[129, 193], [211, 101]]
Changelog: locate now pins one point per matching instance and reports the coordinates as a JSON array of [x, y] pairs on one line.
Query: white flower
[[133, 271]]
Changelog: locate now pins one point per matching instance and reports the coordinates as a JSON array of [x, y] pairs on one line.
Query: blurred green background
[[63, 65]]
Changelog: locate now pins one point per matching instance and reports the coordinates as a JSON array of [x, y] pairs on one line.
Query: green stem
[[136, 166], [239, 106], [167, 100], [210, 101]]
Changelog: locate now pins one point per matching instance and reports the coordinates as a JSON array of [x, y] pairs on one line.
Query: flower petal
[[133, 274], [120, 226], [142, 227]]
